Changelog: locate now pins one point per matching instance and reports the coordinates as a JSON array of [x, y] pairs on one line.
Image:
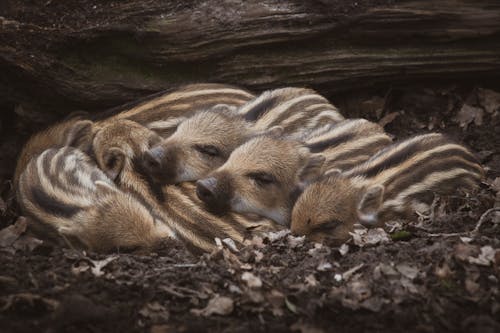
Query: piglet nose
[[152, 159], [205, 189]]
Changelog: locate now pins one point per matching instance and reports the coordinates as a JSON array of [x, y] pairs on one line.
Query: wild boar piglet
[[204, 141], [391, 184], [64, 190]]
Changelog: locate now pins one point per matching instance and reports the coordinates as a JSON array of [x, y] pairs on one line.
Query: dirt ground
[[430, 275]]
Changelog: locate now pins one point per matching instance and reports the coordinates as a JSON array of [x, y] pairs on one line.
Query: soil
[[429, 275]]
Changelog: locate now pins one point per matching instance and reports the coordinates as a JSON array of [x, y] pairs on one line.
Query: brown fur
[[204, 142], [389, 184], [176, 206], [170, 107], [289, 164], [64, 189]]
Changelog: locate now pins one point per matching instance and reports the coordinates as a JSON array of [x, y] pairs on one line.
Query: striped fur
[[264, 175], [204, 142], [162, 112], [63, 190], [177, 206], [389, 184]]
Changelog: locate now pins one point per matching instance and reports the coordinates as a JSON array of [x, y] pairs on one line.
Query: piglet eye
[[209, 150], [262, 178]]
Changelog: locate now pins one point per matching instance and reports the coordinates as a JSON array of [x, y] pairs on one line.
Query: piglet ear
[[165, 128], [370, 204], [79, 134], [275, 131], [332, 172], [312, 169], [226, 108], [114, 161], [105, 187]]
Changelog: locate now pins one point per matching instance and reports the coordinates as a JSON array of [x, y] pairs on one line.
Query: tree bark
[[55, 59]]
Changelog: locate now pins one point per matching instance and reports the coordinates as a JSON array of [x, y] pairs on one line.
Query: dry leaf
[[295, 241], [469, 114], [489, 100], [363, 237], [407, 271], [344, 249], [219, 305], [485, 258], [10, 234], [276, 236], [324, 266], [347, 274], [277, 301], [311, 280], [230, 244], [155, 312], [251, 280], [98, 265]]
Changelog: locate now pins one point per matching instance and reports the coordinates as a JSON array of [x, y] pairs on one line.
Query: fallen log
[[57, 57]]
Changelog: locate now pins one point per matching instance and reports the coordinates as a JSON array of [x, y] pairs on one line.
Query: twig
[[482, 219], [473, 233]]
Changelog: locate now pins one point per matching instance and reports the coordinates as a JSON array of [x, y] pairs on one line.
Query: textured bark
[[106, 54]]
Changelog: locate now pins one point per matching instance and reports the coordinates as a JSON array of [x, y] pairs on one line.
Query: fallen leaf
[[311, 280], [80, 267], [409, 286], [155, 312], [295, 242], [347, 274], [471, 286], [258, 256], [469, 114], [489, 100], [463, 251], [388, 118], [443, 271], [229, 242], [374, 303], [277, 301], [384, 269], [324, 266], [98, 265], [290, 306], [255, 296], [27, 243], [219, 305], [343, 249], [251, 280], [10, 234], [407, 271], [363, 237], [358, 291], [485, 258], [317, 247], [278, 235]]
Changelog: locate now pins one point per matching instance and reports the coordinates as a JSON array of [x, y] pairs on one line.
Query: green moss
[[401, 235]]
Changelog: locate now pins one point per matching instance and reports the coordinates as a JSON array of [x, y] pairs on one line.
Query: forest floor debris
[[440, 273]]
